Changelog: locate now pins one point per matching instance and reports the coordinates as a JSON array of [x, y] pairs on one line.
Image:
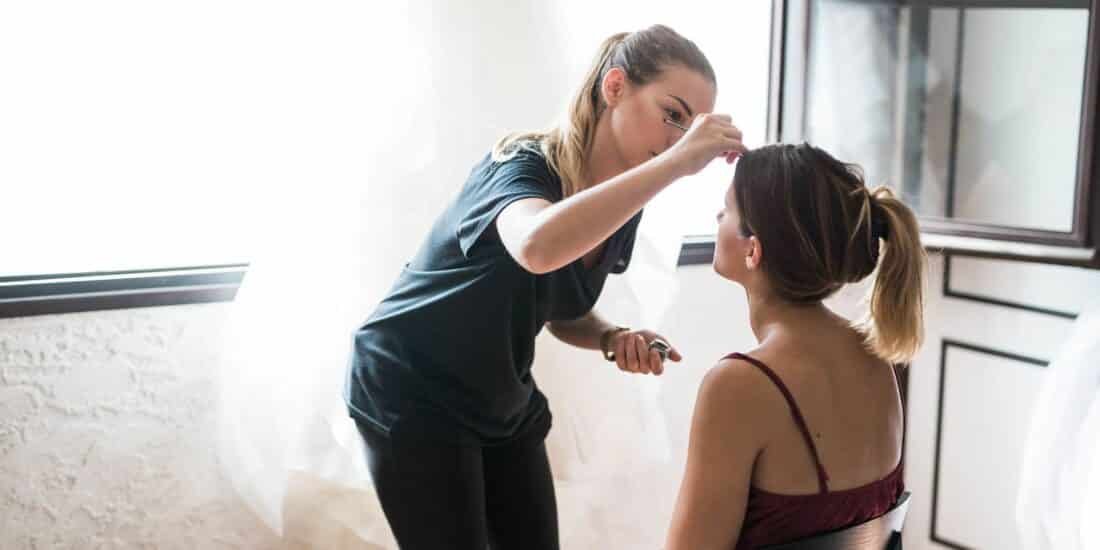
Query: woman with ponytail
[[803, 434], [439, 381]]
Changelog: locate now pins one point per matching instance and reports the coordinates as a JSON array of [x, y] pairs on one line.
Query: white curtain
[[1058, 503], [444, 80]]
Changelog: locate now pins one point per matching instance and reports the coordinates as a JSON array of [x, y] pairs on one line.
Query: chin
[[731, 276], [716, 266]]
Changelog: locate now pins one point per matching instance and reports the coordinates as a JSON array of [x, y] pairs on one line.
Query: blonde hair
[[894, 324], [822, 228], [642, 55]]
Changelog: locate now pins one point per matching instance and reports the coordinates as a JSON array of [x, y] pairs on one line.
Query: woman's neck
[[768, 313]]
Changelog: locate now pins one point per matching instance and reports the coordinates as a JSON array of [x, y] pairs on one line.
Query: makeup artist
[[439, 381]]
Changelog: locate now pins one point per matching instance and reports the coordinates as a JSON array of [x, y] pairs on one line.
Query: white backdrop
[[402, 110]]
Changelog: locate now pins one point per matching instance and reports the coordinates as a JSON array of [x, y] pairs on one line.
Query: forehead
[[688, 84]]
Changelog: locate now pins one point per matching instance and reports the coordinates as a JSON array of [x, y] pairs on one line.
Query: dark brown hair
[[821, 227]]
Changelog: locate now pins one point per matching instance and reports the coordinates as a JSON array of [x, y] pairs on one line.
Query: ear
[[613, 87], [754, 254]]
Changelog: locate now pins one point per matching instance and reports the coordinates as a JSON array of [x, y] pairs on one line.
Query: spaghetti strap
[[822, 477]]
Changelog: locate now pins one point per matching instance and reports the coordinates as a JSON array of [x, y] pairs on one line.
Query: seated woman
[[803, 434]]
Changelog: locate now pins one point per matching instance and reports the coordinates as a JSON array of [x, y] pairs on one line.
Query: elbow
[[532, 256]]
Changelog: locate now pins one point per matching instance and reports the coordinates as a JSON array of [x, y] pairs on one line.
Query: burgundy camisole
[[772, 518]]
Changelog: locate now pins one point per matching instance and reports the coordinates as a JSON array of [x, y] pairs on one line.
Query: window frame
[[26, 295], [790, 51]]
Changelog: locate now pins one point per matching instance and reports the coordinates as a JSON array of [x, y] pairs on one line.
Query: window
[[982, 113], [140, 141]]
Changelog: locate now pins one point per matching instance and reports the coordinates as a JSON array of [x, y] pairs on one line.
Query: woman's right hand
[[711, 136], [634, 351]]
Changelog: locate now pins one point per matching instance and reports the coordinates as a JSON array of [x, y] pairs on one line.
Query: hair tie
[[880, 225]]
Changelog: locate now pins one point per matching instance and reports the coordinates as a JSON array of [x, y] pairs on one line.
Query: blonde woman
[[440, 380], [803, 434]]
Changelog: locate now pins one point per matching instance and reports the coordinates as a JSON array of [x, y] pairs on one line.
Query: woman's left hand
[[633, 354]]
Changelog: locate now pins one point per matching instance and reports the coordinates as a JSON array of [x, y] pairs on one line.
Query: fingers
[[632, 353], [641, 354], [712, 135], [674, 354], [734, 152], [635, 352], [620, 351], [656, 365], [718, 117], [732, 132], [730, 136]]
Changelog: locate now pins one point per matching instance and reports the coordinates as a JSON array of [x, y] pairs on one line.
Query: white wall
[[107, 431], [107, 419], [988, 394]]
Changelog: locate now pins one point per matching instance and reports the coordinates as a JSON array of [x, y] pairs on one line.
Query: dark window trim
[[28, 295], [22, 296], [945, 344], [697, 250], [949, 292], [1078, 247]]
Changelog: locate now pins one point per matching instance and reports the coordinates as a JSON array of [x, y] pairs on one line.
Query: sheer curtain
[[439, 83], [1059, 496]]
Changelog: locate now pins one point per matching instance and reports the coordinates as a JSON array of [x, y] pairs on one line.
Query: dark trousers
[[444, 496]]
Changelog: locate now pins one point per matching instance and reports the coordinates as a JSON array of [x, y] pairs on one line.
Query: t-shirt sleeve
[[512, 180]]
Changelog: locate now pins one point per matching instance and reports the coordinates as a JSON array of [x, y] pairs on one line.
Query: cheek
[[723, 248], [634, 131], [728, 248]]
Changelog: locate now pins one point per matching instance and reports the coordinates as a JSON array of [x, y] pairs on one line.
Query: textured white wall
[[108, 419], [107, 430]]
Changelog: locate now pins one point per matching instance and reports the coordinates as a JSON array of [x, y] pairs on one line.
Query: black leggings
[[445, 496]]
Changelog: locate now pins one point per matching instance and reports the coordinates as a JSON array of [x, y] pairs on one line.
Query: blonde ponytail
[[894, 326], [566, 146]]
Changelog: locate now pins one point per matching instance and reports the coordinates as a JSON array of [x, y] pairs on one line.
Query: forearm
[[584, 332], [566, 230]]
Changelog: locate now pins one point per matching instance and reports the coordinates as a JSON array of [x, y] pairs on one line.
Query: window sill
[[71, 293], [1010, 250], [700, 250], [24, 296]]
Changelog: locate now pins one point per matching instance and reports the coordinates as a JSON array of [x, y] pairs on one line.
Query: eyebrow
[[685, 104]]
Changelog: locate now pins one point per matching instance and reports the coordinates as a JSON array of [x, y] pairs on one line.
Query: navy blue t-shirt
[[447, 354]]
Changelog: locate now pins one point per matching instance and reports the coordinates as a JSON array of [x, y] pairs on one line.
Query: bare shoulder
[[737, 394], [734, 378]]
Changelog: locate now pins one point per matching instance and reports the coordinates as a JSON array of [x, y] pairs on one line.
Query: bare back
[[849, 400]]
